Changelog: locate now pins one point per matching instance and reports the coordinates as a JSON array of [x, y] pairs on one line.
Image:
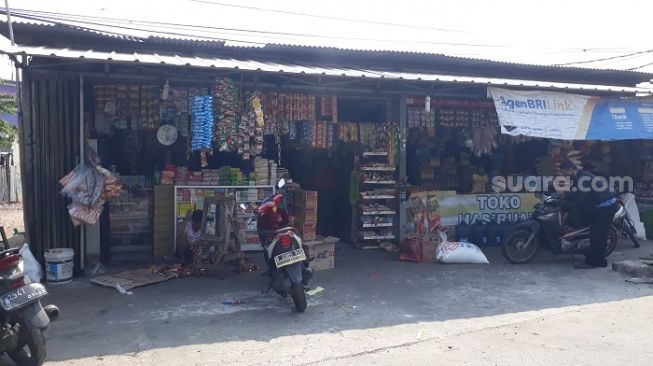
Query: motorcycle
[[284, 252], [23, 317], [626, 227], [546, 227]]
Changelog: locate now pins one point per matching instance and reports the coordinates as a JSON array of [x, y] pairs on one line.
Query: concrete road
[[374, 311]]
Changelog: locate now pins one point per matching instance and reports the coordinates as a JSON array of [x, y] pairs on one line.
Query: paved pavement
[[374, 311]]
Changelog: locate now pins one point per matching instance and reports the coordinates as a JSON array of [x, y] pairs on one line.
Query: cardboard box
[[306, 195], [305, 200], [302, 217], [324, 254], [429, 248], [299, 207], [306, 231]]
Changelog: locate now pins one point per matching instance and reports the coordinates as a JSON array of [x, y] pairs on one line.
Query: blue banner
[[621, 119], [571, 116]]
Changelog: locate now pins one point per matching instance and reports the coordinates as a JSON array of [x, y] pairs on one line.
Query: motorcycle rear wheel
[[514, 247], [299, 297], [31, 351], [613, 238], [629, 230]]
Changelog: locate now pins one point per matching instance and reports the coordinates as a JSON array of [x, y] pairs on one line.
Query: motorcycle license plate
[[22, 296], [289, 258]]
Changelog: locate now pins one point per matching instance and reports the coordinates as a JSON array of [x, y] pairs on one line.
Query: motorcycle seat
[[286, 229]]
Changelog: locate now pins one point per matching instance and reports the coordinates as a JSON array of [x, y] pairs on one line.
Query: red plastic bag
[[410, 250]]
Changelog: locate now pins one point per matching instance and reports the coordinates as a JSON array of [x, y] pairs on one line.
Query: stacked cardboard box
[[181, 176], [262, 170], [305, 209], [210, 177]]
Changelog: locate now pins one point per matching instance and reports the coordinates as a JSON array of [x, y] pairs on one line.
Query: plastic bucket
[[59, 265]]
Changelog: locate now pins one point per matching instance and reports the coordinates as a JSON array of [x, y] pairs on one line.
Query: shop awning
[[303, 69]]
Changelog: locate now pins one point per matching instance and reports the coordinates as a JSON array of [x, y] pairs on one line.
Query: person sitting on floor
[[189, 234]]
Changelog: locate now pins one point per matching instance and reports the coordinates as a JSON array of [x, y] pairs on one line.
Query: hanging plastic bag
[[31, 266], [631, 207], [84, 186]]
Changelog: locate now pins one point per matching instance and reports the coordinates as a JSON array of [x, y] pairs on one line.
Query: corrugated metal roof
[[40, 27], [289, 68], [64, 28]]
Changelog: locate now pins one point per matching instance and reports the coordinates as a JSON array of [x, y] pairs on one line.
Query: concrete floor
[[374, 311]]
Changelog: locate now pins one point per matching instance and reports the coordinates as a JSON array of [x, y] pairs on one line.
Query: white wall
[[7, 69]]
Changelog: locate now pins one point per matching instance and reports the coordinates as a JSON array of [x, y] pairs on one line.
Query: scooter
[[283, 249], [546, 227], [626, 227], [22, 317]]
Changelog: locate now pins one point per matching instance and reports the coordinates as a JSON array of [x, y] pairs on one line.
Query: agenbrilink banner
[[572, 117]]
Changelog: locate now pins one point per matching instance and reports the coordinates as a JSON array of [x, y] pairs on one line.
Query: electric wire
[[61, 17]]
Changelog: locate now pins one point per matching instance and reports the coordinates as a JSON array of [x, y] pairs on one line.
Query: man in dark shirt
[[598, 203]]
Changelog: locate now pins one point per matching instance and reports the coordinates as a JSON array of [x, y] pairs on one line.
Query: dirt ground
[[11, 217]]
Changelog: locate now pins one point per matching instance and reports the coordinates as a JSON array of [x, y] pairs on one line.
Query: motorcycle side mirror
[[281, 183]]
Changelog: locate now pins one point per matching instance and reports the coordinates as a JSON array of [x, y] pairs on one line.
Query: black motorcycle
[[23, 318], [547, 228]]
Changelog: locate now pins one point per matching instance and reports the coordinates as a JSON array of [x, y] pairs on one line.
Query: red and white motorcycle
[[284, 253]]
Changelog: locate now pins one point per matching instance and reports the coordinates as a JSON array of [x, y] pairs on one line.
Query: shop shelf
[[384, 224], [378, 169], [374, 213], [379, 182], [379, 197], [375, 153], [379, 237]]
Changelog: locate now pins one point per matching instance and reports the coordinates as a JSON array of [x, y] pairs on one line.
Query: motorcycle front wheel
[[31, 347], [516, 248], [629, 229]]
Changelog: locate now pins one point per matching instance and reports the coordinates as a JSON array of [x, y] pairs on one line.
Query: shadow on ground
[[365, 290]]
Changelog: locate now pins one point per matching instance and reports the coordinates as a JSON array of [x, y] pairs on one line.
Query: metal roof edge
[[273, 67]]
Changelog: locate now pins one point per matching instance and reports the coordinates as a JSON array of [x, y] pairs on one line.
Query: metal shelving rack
[[376, 162]]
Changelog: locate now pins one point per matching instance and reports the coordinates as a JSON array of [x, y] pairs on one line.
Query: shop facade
[[389, 153]]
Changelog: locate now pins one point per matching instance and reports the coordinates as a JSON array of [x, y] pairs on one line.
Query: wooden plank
[[131, 279]]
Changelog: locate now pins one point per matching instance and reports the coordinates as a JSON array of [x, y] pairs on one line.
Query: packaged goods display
[[201, 122]]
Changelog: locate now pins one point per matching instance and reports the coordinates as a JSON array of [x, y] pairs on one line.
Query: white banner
[[543, 114]]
